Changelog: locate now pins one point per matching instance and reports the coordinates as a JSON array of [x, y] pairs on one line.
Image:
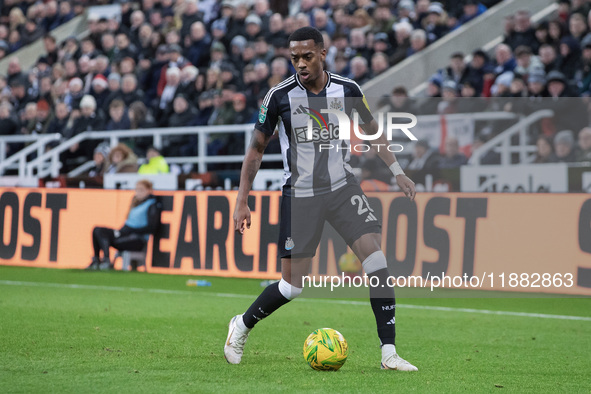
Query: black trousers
[[103, 238]]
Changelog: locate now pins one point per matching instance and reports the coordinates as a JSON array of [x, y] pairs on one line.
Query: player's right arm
[[263, 130], [250, 167]]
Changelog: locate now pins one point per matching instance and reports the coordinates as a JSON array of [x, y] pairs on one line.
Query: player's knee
[[374, 262], [288, 291]]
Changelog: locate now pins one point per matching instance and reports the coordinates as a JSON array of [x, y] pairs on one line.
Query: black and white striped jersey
[[310, 170]]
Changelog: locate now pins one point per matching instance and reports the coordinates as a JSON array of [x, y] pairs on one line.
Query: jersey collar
[[297, 77]]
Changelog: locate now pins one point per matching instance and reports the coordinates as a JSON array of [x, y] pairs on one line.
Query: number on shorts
[[360, 201]]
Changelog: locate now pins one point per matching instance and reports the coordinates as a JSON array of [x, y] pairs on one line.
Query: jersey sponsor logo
[[289, 244], [262, 114], [318, 134]]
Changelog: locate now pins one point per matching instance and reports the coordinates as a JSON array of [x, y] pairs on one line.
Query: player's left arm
[[404, 182]]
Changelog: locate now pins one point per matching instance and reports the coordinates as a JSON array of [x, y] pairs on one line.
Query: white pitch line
[[248, 296]]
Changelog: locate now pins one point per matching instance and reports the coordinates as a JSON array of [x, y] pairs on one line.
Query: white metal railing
[[502, 142], [49, 162], [475, 116], [38, 145]]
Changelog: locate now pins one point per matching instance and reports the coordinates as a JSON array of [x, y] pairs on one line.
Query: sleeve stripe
[[274, 89], [343, 79]]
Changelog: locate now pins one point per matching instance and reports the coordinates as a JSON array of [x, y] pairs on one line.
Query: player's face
[[307, 59]]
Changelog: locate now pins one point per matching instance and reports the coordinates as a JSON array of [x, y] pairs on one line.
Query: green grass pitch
[[74, 331]]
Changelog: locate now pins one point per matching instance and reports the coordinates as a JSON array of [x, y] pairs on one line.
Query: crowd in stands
[[541, 66], [169, 63]]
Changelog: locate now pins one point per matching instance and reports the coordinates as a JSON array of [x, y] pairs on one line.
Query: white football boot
[[391, 360], [234, 347]]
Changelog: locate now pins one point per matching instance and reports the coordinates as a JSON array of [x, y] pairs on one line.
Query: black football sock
[[268, 302], [383, 304]]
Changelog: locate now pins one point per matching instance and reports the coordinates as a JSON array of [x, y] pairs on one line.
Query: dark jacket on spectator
[[527, 38], [198, 52], [123, 124], [57, 126], [569, 64]]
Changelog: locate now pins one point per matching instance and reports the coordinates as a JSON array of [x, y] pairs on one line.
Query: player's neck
[[318, 84]]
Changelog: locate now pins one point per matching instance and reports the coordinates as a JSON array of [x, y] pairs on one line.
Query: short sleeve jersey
[[314, 163]]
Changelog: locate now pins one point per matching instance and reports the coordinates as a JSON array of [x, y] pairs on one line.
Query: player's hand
[[407, 186], [241, 214]]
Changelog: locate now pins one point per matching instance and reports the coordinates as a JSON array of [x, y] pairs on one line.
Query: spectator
[[101, 160], [564, 146], [522, 34], [122, 160], [199, 45], [129, 90], [173, 78], [584, 149], [14, 71], [526, 61], [472, 9], [66, 13], [379, 63], [557, 84], [156, 163], [176, 60], [359, 70], [400, 102], [8, 125], [59, 123], [536, 83], [51, 18], [190, 16], [43, 117], [183, 114], [584, 74], [51, 49], [504, 59], [434, 22], [139, 116], [142, 221], [452, 157], [475, 70], [548, 57], [108, 46], [418, 41], [577, 26], [19, 94], [490, 157], [276, 33], [545, 151], [542, 34], [457, 71], [402, 32], [425, 161], [242, 113], [570, 57], [75, 93], [32, 32], [118, 118]]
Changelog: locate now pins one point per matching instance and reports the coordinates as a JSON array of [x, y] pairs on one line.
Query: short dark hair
[[307, 33]]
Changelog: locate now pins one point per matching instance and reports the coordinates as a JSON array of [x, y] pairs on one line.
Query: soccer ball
[[326, 349], [349, 263]]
